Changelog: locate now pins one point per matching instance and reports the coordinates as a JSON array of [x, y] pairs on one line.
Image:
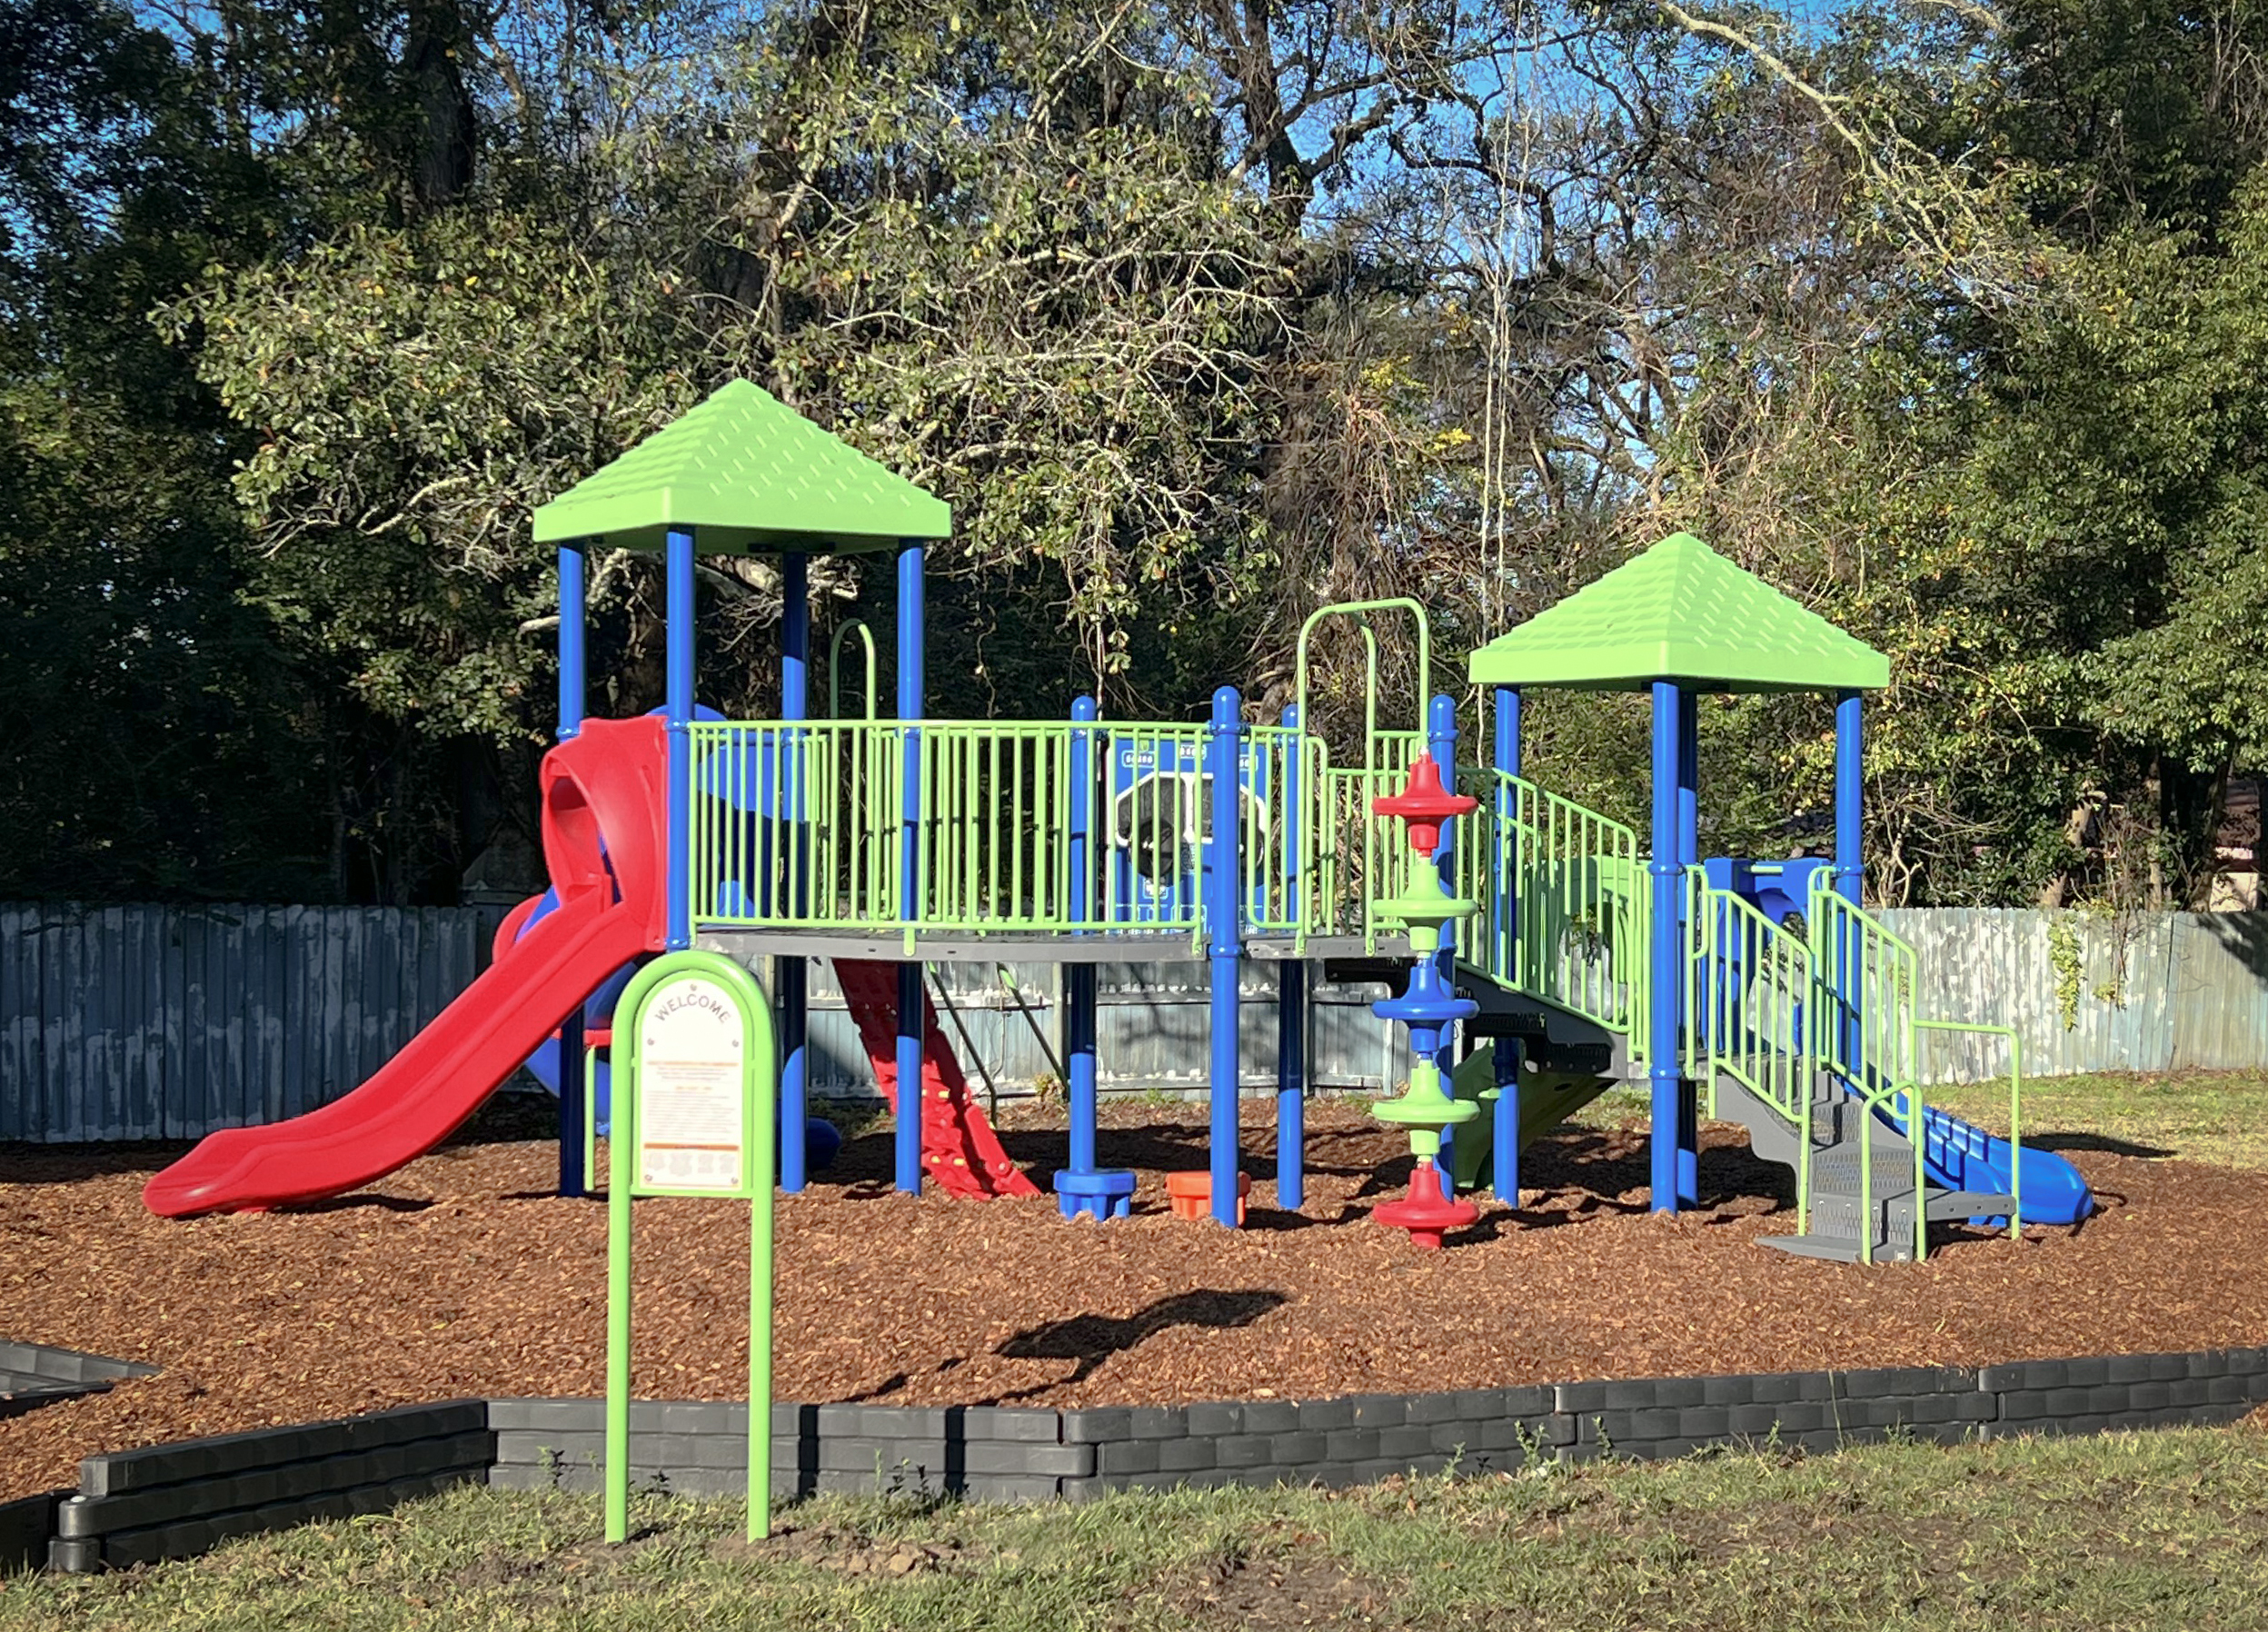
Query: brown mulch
[[462, 1274]]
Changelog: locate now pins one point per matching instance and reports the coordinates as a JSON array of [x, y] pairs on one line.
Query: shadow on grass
[[2101, 1143]]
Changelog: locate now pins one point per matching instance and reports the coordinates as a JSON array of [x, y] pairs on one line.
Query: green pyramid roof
[[745, 472], [1680, 611]]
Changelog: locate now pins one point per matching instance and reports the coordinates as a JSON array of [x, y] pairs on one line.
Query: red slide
[[611, 781], [958, 1148]]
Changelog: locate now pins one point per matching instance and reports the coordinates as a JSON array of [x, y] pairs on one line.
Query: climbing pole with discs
[[1427, 1008]]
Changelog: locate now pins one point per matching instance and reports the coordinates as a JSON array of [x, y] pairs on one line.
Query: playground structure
[[1527, 925]]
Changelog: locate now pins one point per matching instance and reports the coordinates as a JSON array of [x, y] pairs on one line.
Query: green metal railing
[[1864, 1030], [802, 825], [1749, 983], [1562, 899], [2015, 1108], [1287, 851]]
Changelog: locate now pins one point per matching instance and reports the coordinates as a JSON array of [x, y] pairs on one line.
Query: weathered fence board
[[2161, 991], [167, 1022]]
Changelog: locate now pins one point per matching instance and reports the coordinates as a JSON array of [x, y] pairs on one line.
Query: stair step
[[1835, 1172], [1393, 974], [1969, 1204], [1579, 1059], [1840, 1250], [1515, 1022]]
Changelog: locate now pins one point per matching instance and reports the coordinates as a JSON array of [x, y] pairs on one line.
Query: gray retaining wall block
[[26, 1525], [164, 1500]]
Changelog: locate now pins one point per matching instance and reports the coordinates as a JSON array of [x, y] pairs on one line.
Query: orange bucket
[[1191, 1195]]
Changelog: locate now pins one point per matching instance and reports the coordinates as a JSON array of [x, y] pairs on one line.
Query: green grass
[[2135, 1530], [2219, 1117]]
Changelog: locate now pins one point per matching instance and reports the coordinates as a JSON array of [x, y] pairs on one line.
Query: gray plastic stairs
[[1840, 1225]]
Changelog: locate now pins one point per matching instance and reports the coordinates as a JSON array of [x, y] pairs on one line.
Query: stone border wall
[[176, 1500]]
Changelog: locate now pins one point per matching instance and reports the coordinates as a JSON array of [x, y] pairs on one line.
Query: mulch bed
[[463, 1275]]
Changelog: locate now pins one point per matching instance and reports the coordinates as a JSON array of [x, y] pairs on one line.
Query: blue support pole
[[1688, 855], [1505, 1134], [911, 1007], [1441, 743], [573, 1110], [1081, 1187], [679, 710], [1225, 940], [1850, 812], [792, 974], [1850, 868], [1291, 1007], [1663, 969], [572, 684]]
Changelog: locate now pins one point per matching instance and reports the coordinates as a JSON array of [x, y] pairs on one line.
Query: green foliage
[[416, 392], [1948, 325]]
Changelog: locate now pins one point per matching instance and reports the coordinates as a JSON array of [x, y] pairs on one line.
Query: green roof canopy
[[746, 472], [1680, 611]]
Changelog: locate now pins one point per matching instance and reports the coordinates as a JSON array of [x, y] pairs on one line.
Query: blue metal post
[[1225, 940], [1850, 869], [792, 974], [1505, 1134], [911, 1007], [1849, 799], [679, 690], [573, 1108], [1688, 855], [1083, 1187], [1291, 1005], [572, 686], [1441, 743], [1663, 965]]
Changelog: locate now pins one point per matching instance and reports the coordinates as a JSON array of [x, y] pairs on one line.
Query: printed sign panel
[[692, 1090]]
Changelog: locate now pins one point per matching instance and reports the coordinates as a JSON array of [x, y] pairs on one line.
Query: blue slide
[[1961, 1156]]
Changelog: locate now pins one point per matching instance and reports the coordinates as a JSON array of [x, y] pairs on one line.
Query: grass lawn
[[2137, 1531], [2218, 1117]]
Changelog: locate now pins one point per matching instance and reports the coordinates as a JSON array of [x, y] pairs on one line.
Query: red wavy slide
[[609, 781], [958, 1148]]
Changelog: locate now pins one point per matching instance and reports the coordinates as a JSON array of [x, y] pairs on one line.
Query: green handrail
[[993, 826], [1571, 876], [1868, 982], [834, 668], [1358, 610], [2015, 1108], [1755, 1033]]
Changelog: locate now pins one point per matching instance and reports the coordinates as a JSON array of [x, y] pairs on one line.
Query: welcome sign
[[694, 1074]]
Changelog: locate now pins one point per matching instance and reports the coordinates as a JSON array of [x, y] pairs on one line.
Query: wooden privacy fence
[[2091, 992], [167, 1022]]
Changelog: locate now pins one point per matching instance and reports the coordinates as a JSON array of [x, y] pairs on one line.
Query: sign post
[[695, 1058]]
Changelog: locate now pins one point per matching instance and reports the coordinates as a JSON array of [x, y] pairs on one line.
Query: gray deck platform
[[1116, 946]]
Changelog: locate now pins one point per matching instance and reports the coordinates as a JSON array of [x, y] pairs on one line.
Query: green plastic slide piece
[[1683, 613], [1546, 1099]]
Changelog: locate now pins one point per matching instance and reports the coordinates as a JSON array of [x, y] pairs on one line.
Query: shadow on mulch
[[1603, 1165], [1089, 1341]]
